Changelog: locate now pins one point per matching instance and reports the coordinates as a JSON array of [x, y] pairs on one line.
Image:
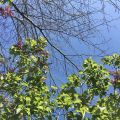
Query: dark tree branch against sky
[[71, 28]]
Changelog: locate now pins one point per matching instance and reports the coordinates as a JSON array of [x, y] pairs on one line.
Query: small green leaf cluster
[[96, 77], [114, 62]]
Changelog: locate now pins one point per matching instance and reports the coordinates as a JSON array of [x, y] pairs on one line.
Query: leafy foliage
[[25, 93], [97, 81], [24, 83]]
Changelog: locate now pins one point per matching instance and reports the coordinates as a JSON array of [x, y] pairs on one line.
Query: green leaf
[[18, 110], [1, 105], [33, 43], [28, 99], [24, 84], [28, 111]]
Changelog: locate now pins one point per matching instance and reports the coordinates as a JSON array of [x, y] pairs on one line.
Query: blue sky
[[110, 35]]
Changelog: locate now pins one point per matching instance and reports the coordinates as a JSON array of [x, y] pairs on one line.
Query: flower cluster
[[6, 11], [20, 44], [116, 77]]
